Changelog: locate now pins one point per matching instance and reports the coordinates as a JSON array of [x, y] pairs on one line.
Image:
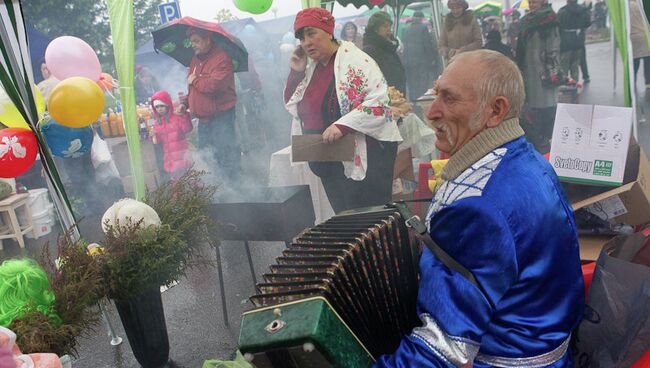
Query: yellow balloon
[[9, 114], [76, 102]]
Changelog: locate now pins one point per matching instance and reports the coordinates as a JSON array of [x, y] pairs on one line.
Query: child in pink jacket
[[170, 131]]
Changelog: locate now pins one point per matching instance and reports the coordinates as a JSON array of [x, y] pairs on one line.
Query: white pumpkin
[[128, 209]]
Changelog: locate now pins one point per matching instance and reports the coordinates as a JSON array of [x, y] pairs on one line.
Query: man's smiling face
[[455, 113]]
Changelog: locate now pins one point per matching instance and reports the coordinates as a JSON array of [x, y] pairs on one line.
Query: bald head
[[492, 74]]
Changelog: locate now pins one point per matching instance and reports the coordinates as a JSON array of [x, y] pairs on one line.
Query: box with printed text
[[590, 143], [628, 203]]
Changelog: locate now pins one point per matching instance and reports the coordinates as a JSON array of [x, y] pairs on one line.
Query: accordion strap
[[414, 222]]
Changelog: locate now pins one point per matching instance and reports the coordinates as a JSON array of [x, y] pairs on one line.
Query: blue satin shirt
[[507, 220]]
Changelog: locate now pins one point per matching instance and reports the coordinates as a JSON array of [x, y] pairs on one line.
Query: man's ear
[[498, 110]]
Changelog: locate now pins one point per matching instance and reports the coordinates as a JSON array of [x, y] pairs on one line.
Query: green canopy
[[488, 8], [397, 6]]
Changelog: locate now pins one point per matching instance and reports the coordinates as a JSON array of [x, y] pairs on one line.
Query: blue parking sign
[[169, 11]]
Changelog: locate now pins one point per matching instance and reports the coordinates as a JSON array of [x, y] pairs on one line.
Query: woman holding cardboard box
[[335, 89]]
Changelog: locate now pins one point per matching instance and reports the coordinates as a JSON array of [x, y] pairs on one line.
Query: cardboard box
[[590, 143], [629, 203], [120, 153], [591, 245], [151, 182], [310, 147]]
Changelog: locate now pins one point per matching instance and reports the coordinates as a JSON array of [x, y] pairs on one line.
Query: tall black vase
[[143, 319]]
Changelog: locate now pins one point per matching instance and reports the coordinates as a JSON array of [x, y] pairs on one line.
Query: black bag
[[615, 331]]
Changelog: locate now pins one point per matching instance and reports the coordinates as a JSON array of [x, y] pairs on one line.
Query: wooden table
[[8, 208]]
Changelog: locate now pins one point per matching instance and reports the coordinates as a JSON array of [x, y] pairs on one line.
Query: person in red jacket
[[212, 99], [170, 130]]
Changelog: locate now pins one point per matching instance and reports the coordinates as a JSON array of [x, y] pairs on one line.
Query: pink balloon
[[69, 56]]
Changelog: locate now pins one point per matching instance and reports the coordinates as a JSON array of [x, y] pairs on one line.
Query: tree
[[88, 20], [224, 15]]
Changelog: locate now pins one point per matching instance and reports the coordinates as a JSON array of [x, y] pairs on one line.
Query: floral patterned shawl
[[363, 98]]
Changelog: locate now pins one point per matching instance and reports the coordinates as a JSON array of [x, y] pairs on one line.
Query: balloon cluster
[[74, 103], [77, 101], [253, 6]]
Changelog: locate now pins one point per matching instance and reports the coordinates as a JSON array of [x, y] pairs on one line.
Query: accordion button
[[308, 347], [277, 312]]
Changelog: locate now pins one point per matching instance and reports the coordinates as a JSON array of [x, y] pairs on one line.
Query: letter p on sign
[[169, 11]]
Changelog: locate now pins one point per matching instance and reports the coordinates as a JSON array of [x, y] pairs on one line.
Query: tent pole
[[630, 73], [435, 15], [612, 41]]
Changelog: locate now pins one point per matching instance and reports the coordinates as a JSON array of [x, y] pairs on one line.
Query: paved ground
[[193, 308]]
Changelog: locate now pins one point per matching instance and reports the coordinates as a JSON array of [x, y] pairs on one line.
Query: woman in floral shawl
[[335, 89]]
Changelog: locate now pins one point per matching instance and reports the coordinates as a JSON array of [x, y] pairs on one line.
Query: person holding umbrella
[[211, 98]]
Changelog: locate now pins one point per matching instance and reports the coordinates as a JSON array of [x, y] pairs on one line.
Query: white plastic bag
[[99, 151], [100, 155]]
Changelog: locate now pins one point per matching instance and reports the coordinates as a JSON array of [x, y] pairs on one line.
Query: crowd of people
[[549, 49], [490, 98]]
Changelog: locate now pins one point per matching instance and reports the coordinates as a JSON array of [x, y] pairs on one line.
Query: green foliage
[[183, 204], [88, 20], [37, 334], [77, 284], [135, 259]]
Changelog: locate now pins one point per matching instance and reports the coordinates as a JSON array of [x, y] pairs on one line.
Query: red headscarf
[[314, 17]]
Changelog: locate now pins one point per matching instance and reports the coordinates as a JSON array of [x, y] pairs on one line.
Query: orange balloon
[[76, 102], [105, 82]]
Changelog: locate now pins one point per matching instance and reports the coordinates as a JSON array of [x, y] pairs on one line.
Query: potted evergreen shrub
[[141, 254]]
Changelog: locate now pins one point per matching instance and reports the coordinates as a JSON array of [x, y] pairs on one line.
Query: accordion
[[342, 294]]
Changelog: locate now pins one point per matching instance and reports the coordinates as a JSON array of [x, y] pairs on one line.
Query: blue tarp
[[37, 45]]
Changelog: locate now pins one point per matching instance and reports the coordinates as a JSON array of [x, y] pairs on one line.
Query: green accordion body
[[304, 333]]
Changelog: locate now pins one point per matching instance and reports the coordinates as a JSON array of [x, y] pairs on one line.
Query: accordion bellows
[[342, 294]]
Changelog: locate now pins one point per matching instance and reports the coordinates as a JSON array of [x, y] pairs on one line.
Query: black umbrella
[[172, 39]]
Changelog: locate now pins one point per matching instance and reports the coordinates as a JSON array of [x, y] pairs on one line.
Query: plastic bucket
[[38, 202], [43, 222]]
